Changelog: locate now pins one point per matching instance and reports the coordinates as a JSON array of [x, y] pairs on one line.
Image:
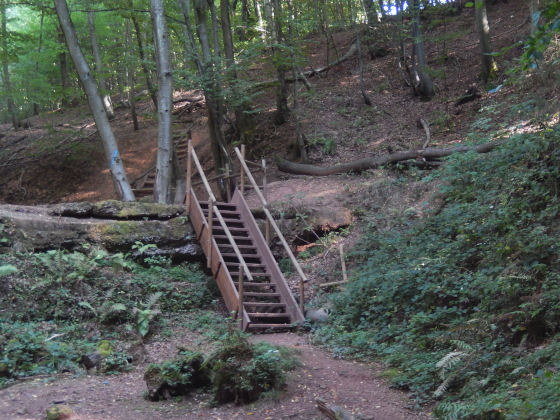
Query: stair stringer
[[217, 266], [277, 277]]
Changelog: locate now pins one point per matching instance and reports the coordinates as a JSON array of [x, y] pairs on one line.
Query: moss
[[135, 210]]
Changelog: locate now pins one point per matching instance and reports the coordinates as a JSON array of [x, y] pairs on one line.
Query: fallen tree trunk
[[113, 225], [303, 76], [375, 162]]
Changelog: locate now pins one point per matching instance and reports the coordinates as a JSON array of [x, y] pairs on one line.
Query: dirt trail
[[352, 385]]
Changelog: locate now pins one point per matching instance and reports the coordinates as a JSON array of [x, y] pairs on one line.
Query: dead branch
[[376, 162], [423, 123]]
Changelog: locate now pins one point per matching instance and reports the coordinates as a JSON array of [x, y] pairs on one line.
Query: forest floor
[[59, 159], [354, 386]]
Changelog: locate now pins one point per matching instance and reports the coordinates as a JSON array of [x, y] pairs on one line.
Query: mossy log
[[115, 226]]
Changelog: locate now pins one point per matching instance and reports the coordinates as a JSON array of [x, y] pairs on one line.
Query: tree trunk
[[240, 117], [142, 55], [487, 61], [422, 82], [131, 78], [212, 101], [162, 191], [260, 22], [376, 162], [273, 12], [95, 102], [35, 104], [371, 13], [63, 70], [5, 69], [99, 64]]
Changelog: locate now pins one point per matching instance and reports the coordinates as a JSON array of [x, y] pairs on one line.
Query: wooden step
[[232, 229], [259, 326], [265, 304], [221, 205], [228, 245], [267, 315], [261, 294], [224, 213], [256, 284]]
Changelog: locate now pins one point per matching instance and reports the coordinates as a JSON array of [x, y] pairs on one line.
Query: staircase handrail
[[293, 260]]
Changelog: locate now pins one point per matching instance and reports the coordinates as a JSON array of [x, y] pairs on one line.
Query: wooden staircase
[[143, 186], [249, 279]]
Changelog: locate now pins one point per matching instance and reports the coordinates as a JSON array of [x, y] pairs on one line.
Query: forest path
[[354, 386]]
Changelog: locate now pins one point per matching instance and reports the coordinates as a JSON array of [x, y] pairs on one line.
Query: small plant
[[147, 314]]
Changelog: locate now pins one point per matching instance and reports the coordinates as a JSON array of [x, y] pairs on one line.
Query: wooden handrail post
[[242, 172], [301, 295], [265, 189], [189, 176], [240, 293], [210, 229], [228, 184]]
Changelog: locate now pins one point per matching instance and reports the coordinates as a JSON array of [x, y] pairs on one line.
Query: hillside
[[453, 268]]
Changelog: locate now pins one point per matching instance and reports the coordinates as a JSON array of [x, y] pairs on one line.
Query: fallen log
[[376, 162], [303, 76]]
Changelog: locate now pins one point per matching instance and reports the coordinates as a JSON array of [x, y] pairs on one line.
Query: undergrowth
[[465, 305], [236, 371], [56, 306]]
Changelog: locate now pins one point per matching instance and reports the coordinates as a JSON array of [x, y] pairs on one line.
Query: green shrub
[[451, 300]]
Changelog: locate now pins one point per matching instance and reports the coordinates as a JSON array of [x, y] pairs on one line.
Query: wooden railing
[[245, 171], [214, 210]]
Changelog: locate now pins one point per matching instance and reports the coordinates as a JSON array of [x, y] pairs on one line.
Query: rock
[[59, 412], [317, 315], [91, 360]]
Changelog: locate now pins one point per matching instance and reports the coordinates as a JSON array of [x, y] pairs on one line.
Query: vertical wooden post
[[265, 189], [210, 229], [228, 184], [343, 263], [301, 295], [242, 172], [189, 175], [240, 294]]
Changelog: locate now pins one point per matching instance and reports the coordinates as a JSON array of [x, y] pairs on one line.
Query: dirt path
[[354, 386]]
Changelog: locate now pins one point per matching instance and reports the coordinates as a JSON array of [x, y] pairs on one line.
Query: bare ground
[[354, 386]]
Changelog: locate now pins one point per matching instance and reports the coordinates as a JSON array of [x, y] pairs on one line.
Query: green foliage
[[52, 300], [237, 370], [537, 44], [242, 371], [450, 300]]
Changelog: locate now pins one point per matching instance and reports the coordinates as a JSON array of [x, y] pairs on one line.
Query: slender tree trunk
[[98, 63], [142, 55], [257, 7], [371, 13], [487, 61], [95, 102], [240, 117], [64, 82], [164, 169], [35, 104], [131, 77], [5, 69], [273, 13], [218, 144], [422, 82]]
